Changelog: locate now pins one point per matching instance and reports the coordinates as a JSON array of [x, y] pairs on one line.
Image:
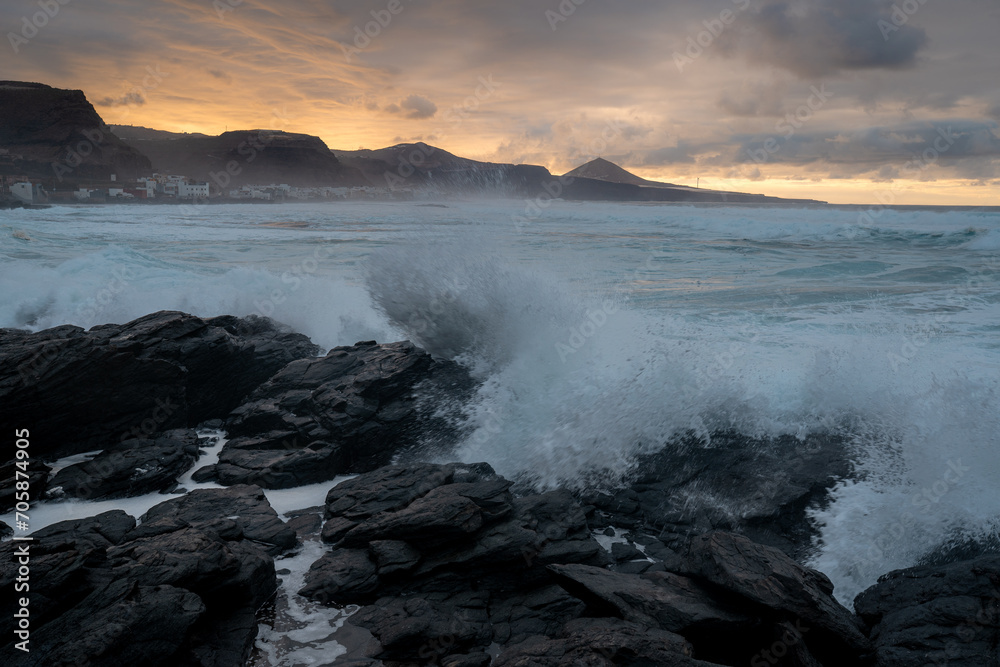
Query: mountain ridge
[[41, 125], [605, 170], [57, 134]]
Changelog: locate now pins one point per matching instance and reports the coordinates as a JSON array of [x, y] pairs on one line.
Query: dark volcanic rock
[[768, 577], [428, 627], [222, 568], [600, 642], [936, 615], [340, 576], [394, 556], [122, 623], [664, 600], [189, 569], [450, 558], [90, 390], [443, 515], [387, 489], [349, 411], [94, 533], [245, 505], [306, 524], [130, 468], [542, 611], [62, 559], [757, 487], [38, 475]]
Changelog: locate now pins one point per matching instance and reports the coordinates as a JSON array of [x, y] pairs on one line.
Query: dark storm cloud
[[822, 37], [947, 141], [601, 79], [222, 76], [679, 154], [968, 147], [756, 99], [128, 99], [415, 106]]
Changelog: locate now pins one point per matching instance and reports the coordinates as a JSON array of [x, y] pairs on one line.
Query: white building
[[150, 186], [192, 190], [24, 192]]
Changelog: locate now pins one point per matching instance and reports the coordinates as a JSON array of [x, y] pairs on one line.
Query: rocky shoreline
[[446, 564]]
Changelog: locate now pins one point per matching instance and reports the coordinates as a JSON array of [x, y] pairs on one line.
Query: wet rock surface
[[757, 487], [88, 390], [350, 411], [936, 615], [182, 588], [243, 505], [132, 467], [692, 562], [447, 562]]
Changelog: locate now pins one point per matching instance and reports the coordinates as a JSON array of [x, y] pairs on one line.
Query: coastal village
[[167, 188]]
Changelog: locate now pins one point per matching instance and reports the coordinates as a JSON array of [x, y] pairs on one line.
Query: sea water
[[602, 331]]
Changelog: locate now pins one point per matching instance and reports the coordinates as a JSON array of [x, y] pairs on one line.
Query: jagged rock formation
[[87, 390], [58, 136], [181, 589], [350, 411], [450, 564]]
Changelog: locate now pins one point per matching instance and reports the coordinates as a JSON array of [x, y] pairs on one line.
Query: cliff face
[[250, 157], [57, 135]]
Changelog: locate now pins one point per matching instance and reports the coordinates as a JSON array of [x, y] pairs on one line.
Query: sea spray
[[765, 321]]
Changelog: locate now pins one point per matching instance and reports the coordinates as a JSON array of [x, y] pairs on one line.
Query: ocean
[[603, 331]]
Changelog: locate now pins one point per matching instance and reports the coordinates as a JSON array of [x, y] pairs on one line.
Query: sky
[[850, 101]]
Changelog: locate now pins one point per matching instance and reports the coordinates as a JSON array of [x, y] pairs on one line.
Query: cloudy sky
[[852, 101]]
